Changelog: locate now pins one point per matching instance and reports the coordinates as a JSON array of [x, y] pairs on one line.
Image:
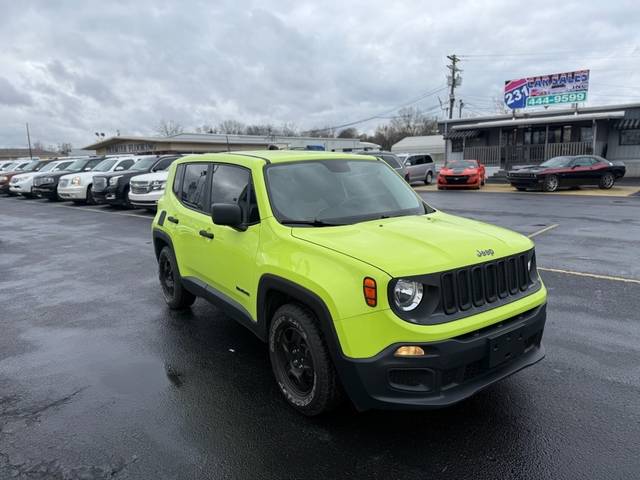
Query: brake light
[[370, 291]]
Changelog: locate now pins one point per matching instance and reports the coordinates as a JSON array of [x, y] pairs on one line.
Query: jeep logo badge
[[485, 253]]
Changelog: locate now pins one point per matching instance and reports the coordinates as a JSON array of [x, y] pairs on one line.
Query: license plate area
[[506, 346]]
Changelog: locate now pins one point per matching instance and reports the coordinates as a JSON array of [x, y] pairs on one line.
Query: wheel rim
[[607, 181], [166, 276], [429, 177], [294, 361], [552, 183]]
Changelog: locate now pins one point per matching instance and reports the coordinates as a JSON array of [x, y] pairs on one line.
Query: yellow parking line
[[590, 275], [545, 229]]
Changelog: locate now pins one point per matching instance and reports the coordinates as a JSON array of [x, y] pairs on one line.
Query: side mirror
[[228, 214], [118, 169]]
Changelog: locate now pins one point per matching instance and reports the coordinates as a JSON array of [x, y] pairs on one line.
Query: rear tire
[[176, 296], [551, 183], [428, 179], [521, 189], [607, 181], [301, 363]]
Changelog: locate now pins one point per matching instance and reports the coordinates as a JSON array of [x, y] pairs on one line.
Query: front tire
[[551, 183], [301, 363], [428, 179], [176, 296], [90, 199], [607, 181]]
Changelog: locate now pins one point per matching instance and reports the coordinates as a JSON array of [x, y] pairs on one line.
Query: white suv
[[77, 186], [23, 182], [145, 190]]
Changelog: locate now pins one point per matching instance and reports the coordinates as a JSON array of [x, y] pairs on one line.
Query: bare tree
[[231, 127], [350, 132], [64, 148], [38, 145], [168, 128]]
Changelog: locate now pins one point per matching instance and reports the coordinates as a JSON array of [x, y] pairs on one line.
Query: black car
[[567, 171], [45, 185], [113, 187]]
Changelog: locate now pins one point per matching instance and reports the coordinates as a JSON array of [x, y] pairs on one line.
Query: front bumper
[[458, 181], [113, 196], [145, 200], [45, 191], [76, 192], [20, 188], [525, 182], [452, 369]]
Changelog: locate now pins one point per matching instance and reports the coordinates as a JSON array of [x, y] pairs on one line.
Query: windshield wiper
[[313, 223]]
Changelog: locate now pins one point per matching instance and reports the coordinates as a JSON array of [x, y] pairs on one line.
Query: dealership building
[[210, 142], [531, 137]]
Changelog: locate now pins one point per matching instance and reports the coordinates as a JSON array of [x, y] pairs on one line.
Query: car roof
[[260, 157]]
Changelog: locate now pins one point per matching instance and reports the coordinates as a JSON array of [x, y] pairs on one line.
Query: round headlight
[[407, 294]]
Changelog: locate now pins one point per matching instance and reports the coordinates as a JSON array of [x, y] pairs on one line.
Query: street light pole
[[29, 141]]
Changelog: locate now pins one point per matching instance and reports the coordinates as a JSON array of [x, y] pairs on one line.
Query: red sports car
[[461, 174]]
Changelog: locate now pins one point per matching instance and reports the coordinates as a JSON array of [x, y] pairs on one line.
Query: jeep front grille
[[482, 284]]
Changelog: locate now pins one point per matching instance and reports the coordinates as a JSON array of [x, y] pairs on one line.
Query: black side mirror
[[228, 214]]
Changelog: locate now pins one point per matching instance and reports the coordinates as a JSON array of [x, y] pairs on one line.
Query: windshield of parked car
[[105, 165], [557, 162], [7, 166], [48, 167], [30, 167], [338, 192], [144, 164], [461, 164], [77, 165]]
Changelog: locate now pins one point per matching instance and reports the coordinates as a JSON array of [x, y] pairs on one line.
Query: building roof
[[529, 114], [217, 139], [533, 121]]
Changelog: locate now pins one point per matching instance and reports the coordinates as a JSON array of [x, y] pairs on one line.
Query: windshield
[[461, 164], [557, 162], [7, 166], [144, 164], [77, 165], [62, 166], [105, 165], [48, 167], [30, 167], [338, 192]]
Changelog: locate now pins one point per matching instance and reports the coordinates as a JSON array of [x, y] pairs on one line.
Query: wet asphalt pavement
[[98, 379]]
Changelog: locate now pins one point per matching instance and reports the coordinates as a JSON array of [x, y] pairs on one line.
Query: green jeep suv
[[357, 286]]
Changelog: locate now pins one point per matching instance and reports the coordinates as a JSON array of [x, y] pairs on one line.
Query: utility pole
[[29, 141], [460, 105], [454, 80]]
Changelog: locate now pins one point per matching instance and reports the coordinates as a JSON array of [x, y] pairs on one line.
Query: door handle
[[173, 220], [206, 234]]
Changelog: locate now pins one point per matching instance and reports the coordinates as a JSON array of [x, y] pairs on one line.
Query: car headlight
[[3, 178], [407, 294], [75, 181], [46, 180], [158, 184], [114, 180]]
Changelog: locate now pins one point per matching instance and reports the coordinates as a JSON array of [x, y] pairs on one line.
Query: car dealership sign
[[568, 87]]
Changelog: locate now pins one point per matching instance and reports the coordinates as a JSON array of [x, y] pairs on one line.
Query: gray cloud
[[10, 96], [82, 67]]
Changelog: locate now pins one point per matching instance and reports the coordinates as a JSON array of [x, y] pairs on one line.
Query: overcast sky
[[72, 68]]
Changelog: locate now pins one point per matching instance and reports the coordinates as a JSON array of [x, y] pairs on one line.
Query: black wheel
[[551, 183], [521, 189], [607, 181], [428, 179], [90, 199], [301, 363], [176, 296]]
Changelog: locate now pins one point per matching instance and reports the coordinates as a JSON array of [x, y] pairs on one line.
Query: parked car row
[[90, 180]]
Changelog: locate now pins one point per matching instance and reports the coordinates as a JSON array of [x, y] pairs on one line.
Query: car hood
[[459, 171], [420, 244], [26, 176], [530, 169], [150, 177], [53, 174]]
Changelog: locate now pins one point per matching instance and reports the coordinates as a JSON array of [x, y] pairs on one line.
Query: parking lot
[[98, 379]]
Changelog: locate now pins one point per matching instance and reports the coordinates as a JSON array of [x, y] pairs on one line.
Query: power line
[[379, 115]]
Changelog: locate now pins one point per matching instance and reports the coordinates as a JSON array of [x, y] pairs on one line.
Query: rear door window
[[194, 183]]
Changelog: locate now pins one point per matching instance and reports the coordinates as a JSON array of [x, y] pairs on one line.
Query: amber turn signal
[[370, 291], [409, 351]]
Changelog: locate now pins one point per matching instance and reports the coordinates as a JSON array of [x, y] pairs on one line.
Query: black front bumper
[[451, 371], [526, 182], [46, 191], [111, 195]]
